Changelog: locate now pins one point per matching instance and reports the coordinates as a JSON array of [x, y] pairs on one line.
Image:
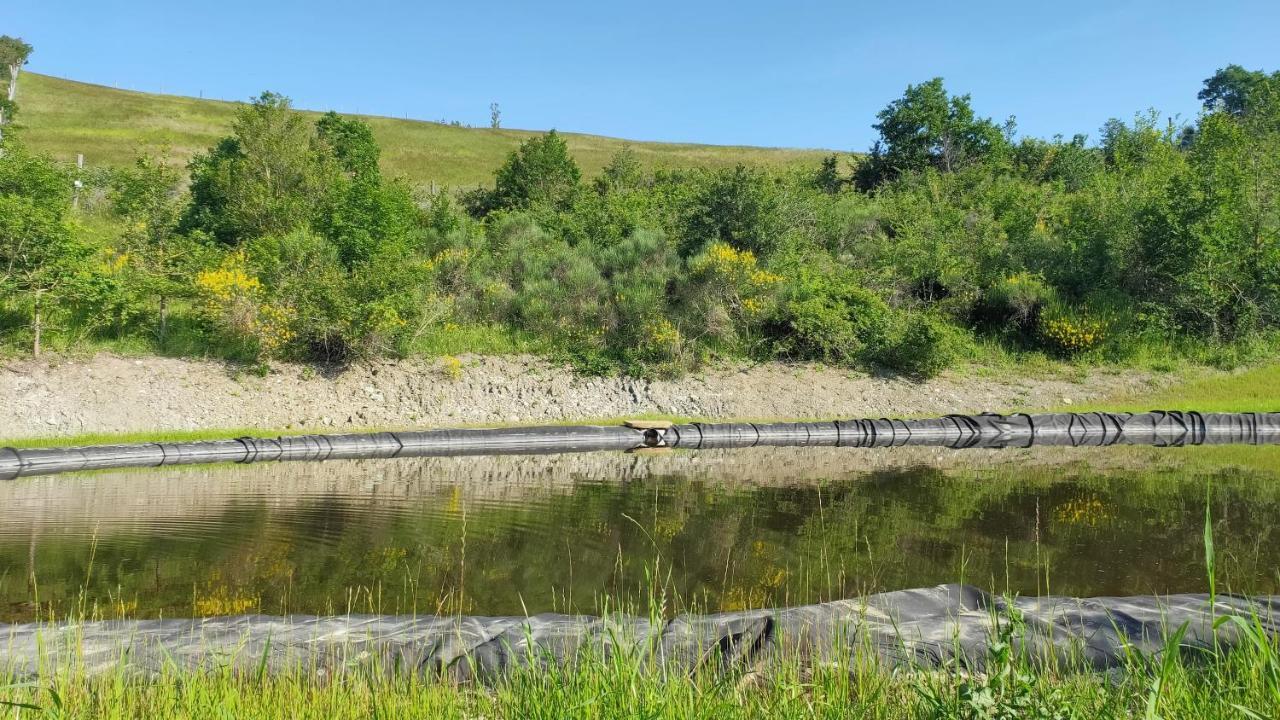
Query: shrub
[[726, 294], [922, 347], [1068, 335], [738, 207], [829, 317], [235, 305], [1012, 307], [266, 178], [541, 171]]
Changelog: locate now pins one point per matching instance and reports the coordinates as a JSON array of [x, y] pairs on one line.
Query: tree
[[367, 216], [363, 212], [1231, 88], [1237, 164], [40, 258], [352, 143], [828, 179], [541, 171], [146, 196], [13, 55], [495, 116], [926, 128], [622, 173], [738, 206], [267, 178]]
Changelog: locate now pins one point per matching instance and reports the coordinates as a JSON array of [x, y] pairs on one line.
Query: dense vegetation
[[952, 236]]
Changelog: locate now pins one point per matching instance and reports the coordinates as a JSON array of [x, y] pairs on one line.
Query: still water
[[709, 531]]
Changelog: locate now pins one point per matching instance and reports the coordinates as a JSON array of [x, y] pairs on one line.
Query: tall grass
[[1243, 683]]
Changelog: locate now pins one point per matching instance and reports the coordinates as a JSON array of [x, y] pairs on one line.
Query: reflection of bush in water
[[1082, 511]]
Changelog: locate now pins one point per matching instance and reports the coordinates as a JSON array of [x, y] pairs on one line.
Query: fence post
[[77, 184]]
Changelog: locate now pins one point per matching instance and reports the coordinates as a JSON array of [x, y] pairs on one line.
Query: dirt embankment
[[111, 394]]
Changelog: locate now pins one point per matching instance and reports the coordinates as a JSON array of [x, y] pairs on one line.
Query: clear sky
[[786, 73]]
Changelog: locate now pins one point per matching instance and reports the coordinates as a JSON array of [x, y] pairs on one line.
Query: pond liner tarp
[[946, 626], [1160, 428]]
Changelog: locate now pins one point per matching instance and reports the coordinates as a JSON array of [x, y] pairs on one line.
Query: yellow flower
[[230, 279]]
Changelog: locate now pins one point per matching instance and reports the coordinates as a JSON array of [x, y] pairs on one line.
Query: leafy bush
[[267, 178], [726, 295], [235, 304], [922, 346], [830, 317], [737, 207], [1066, 334], [540, 172], [1012, 307]]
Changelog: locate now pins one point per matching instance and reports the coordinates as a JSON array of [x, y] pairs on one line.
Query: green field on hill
[[111, 126]]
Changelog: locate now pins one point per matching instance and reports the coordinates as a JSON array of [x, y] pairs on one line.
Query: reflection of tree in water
[[715, 545]]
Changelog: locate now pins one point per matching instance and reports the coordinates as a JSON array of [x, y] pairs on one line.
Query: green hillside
[[110, 126]]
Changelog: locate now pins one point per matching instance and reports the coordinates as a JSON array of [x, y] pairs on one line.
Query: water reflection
[[722, 530]]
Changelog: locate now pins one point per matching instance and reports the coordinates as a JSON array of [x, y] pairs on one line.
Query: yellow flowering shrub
[[273, 329], [724, 261], [1072, 335], [114, 262], [448, 256], [234, 302], [663, 337], [228, 281], [736, 277], [451, 366]]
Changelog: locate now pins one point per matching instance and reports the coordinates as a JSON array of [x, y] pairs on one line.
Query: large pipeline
[[1159, 428]]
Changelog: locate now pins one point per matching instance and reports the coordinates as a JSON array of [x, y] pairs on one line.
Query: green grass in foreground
[[1176, 682], [111, 126], [1241, 686]]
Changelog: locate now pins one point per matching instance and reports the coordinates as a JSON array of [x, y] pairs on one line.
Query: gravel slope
[[112, 394]]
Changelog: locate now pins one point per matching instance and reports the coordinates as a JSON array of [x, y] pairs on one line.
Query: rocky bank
[[107, 393]]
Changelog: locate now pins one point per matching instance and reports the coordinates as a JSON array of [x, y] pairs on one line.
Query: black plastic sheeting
[[947, 626], [1169, 429]]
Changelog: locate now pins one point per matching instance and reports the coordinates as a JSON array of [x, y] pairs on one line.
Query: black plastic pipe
[[955, 431]]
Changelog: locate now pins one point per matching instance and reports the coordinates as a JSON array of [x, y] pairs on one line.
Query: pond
[[710, 530]]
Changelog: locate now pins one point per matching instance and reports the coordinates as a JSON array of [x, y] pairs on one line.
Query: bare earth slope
[[111, 394]]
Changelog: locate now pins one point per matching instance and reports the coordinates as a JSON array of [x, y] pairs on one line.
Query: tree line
[[952, 237]]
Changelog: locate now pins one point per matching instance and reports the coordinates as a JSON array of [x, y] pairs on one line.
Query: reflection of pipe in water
[[1166, 429]]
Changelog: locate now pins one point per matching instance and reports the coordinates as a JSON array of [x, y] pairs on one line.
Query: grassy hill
[[111, 126]]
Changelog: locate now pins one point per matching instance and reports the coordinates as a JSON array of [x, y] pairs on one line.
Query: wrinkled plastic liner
[[1167, 429], [948, 626]]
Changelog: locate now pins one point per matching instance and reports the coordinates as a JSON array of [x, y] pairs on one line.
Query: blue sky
[[796, 74]]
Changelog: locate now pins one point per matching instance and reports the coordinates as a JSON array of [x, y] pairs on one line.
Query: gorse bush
[[288, 242], [234, 303], [1071, 335]]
